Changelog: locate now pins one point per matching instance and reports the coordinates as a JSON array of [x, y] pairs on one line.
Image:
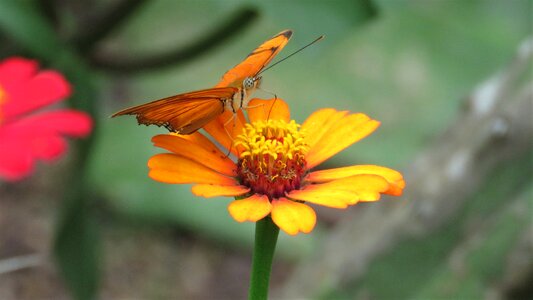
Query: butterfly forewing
[[184, 113], [256, 61]]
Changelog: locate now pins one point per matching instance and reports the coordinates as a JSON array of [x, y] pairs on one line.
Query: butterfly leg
[[262, 105], [233, 118]]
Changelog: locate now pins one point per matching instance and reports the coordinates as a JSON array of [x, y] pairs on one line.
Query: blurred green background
[[119, 235]]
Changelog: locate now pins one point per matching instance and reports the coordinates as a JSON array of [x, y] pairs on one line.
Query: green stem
[[266, 236]]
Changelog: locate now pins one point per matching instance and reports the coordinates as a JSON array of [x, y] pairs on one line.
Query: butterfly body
[[188, 112]]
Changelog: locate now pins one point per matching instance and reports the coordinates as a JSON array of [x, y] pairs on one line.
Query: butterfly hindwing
[[184, 113]]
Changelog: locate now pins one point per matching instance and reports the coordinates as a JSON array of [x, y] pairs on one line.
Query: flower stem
[[266, 237]]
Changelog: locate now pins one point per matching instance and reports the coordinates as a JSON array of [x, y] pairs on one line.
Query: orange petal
[[293, 217], [395, 179], [199, 149], [319, 123], [252, 209], [172, 168], [198, 138], [343, 192], [272, 109], [340, 135], [225, 128], [210, 190]]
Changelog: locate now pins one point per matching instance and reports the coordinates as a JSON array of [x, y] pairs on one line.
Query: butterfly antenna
[[286, 57]]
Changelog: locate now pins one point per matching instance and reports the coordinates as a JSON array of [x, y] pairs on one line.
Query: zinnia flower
[[272, 175], [26, 136]]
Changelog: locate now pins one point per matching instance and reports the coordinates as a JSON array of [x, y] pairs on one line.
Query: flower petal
[[343, 192], [14, 70], [394, 178], [272, 109], [293, 217], [252, 209], [199, 139], [344, 132], [38, 136], [200, 150], [172, 168], [211, 190], [17, 157], [225, 128], [68, 122], [45, 88], [15, 162], [319, 123]]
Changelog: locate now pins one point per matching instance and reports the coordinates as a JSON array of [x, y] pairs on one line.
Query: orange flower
[[272, 175]]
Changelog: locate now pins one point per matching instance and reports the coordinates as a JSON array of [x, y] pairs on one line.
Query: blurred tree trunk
[[462, 228]]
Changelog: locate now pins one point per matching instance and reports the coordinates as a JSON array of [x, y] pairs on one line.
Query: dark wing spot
[[271, 50], [286, 33]]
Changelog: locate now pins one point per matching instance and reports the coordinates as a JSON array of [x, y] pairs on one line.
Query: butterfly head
[[251, 83]]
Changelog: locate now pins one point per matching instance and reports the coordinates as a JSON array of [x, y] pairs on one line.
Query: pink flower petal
[[68, 122], [38, 137], [16, 70], [43, 89], [48, 148], [15, 162]]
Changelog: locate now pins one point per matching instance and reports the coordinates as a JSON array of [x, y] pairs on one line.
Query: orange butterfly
[[188, 112]]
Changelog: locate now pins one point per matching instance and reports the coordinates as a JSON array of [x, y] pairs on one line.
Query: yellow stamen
[[273, 159]]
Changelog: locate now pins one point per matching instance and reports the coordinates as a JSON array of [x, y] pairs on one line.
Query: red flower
[[26, 136]]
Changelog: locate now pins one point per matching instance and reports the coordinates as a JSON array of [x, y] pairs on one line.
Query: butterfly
[[188, 112]]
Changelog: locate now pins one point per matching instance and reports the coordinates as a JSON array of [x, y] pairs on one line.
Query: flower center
[[273, 160]]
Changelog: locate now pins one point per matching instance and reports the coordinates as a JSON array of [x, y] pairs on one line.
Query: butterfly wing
[[184, 113], [256, 60]]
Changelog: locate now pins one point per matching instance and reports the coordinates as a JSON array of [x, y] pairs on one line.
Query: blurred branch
[[49, 10], [119, 63], [20, 262], [494, 128], [518, 272], [519, 268], [99, 25], [369, 8]]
